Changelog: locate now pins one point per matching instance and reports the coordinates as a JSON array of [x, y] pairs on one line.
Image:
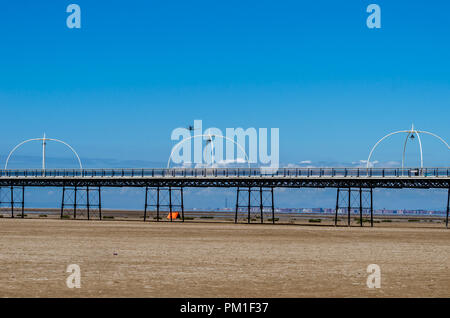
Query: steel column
[[273, 207], [349, 204], [157, 204], [237, 206], [182, 203], [23, 202], [12, 201], [170, 204], [100, 202], [448, 207], [360, 207], [249, 204], [261, 204], [62, 203], [337, 207], [75, 204], [87, 202], [371, 207], [146, 201]]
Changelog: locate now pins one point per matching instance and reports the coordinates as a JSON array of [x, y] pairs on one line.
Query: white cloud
[[224, 163], [373, 164], [363, 163]]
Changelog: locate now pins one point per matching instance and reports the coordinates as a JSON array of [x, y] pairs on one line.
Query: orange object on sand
[[175, 215]]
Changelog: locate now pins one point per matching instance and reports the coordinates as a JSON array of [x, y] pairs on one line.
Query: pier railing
[[232, 173]]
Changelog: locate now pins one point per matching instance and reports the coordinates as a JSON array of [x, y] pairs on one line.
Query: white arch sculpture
[[212, 147], [44, 139], [411, 132]]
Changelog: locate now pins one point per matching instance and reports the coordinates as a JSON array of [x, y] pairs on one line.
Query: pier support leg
[[170, 204], [261, 207], [146, 204], [100, 203], [79, 198], [23, 202], [249, 207], [12, 201], [273, 206], [371, 207], [360, 207], [349, 208], [157, 205], [63, 201], [448, 208], [237, 205], [337, 207], [167, 199], [88, 203], [182, 204], [75, 203], [344, 202], [261, 201]]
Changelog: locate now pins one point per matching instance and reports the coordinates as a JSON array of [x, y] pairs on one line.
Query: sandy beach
[[136, 259]]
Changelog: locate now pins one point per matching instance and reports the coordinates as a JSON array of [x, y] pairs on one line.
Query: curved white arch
[[434, 135], [202, 135], [409, 132], [381, 140], [42, 139]]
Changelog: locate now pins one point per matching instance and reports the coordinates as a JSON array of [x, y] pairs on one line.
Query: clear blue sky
[[138, 69]]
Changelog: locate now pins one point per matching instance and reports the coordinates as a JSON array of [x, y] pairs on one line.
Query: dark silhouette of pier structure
[[255, 201]]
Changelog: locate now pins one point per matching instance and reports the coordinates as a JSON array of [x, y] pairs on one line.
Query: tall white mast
[[43, 152]]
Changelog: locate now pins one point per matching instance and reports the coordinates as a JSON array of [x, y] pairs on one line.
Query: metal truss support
[[80, 200], [14, 199], [164, 199], [256, 201], [448, 208], [348, 198], [371, 207], [232, 178]]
